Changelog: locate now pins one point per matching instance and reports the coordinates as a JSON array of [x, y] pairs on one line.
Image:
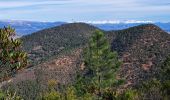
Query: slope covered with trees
[[50, 42], [142, 48], [59, 53]]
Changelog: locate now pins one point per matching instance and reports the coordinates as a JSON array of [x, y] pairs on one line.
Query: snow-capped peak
[[115, 22]]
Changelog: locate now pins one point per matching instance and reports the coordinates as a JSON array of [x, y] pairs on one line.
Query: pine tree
[[101, 65], [12, 57]]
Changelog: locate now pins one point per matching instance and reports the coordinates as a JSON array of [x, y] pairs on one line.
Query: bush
[[130, 94], [12, 58]]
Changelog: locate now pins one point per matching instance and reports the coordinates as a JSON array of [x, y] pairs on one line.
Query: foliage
[[155, 89], [2, 95], [52, 95], [87, 96], [70, 94], [165, 77], [52, 84], [9, 95], [46, 44], [27, 89], [130, 94], [12, 57], [166, 69], [166, 89], [101, 65], [159, 87]]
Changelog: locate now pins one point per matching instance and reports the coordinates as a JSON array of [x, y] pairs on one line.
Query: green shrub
[[52, 95], [130, 94], [12, 58]]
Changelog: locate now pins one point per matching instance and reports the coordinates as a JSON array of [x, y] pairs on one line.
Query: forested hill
[[47, 43], [142, 48], [56, 54]]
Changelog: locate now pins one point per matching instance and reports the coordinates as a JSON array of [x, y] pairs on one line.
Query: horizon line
[[89, 21]]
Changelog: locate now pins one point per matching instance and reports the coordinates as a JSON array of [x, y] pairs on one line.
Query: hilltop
[[51, 42], [142, 49], [27, 27]]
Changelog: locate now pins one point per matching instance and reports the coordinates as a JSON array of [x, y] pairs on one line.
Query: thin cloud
[[66, 10], [14, 4]]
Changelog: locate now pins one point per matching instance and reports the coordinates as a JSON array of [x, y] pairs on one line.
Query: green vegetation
[[52, 42], [157, 88], [9, 96], [98, 79], [12, 58], [130, 94], [52, 94], [101, 65], [166, 69]]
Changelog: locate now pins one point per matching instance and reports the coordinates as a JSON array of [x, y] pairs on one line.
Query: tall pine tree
[[101, 65]]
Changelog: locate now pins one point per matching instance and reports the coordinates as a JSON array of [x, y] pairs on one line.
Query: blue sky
[[85, 10]]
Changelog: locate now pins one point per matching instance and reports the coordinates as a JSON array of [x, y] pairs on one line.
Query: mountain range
[[28, 27], [56, 53]]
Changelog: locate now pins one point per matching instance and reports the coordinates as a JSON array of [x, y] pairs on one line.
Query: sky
[[85, 10]]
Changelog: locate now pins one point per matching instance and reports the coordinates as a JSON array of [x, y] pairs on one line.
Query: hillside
[[49, 43], [142, 49], [55, 53]]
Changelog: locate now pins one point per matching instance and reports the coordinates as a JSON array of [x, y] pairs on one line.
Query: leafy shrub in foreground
[[12, 58]]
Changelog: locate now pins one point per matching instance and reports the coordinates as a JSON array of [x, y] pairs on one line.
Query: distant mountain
[[120, 26], [28, 27], [164, 26]]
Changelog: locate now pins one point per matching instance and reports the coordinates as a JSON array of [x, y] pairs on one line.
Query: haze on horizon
[[85, 10]]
